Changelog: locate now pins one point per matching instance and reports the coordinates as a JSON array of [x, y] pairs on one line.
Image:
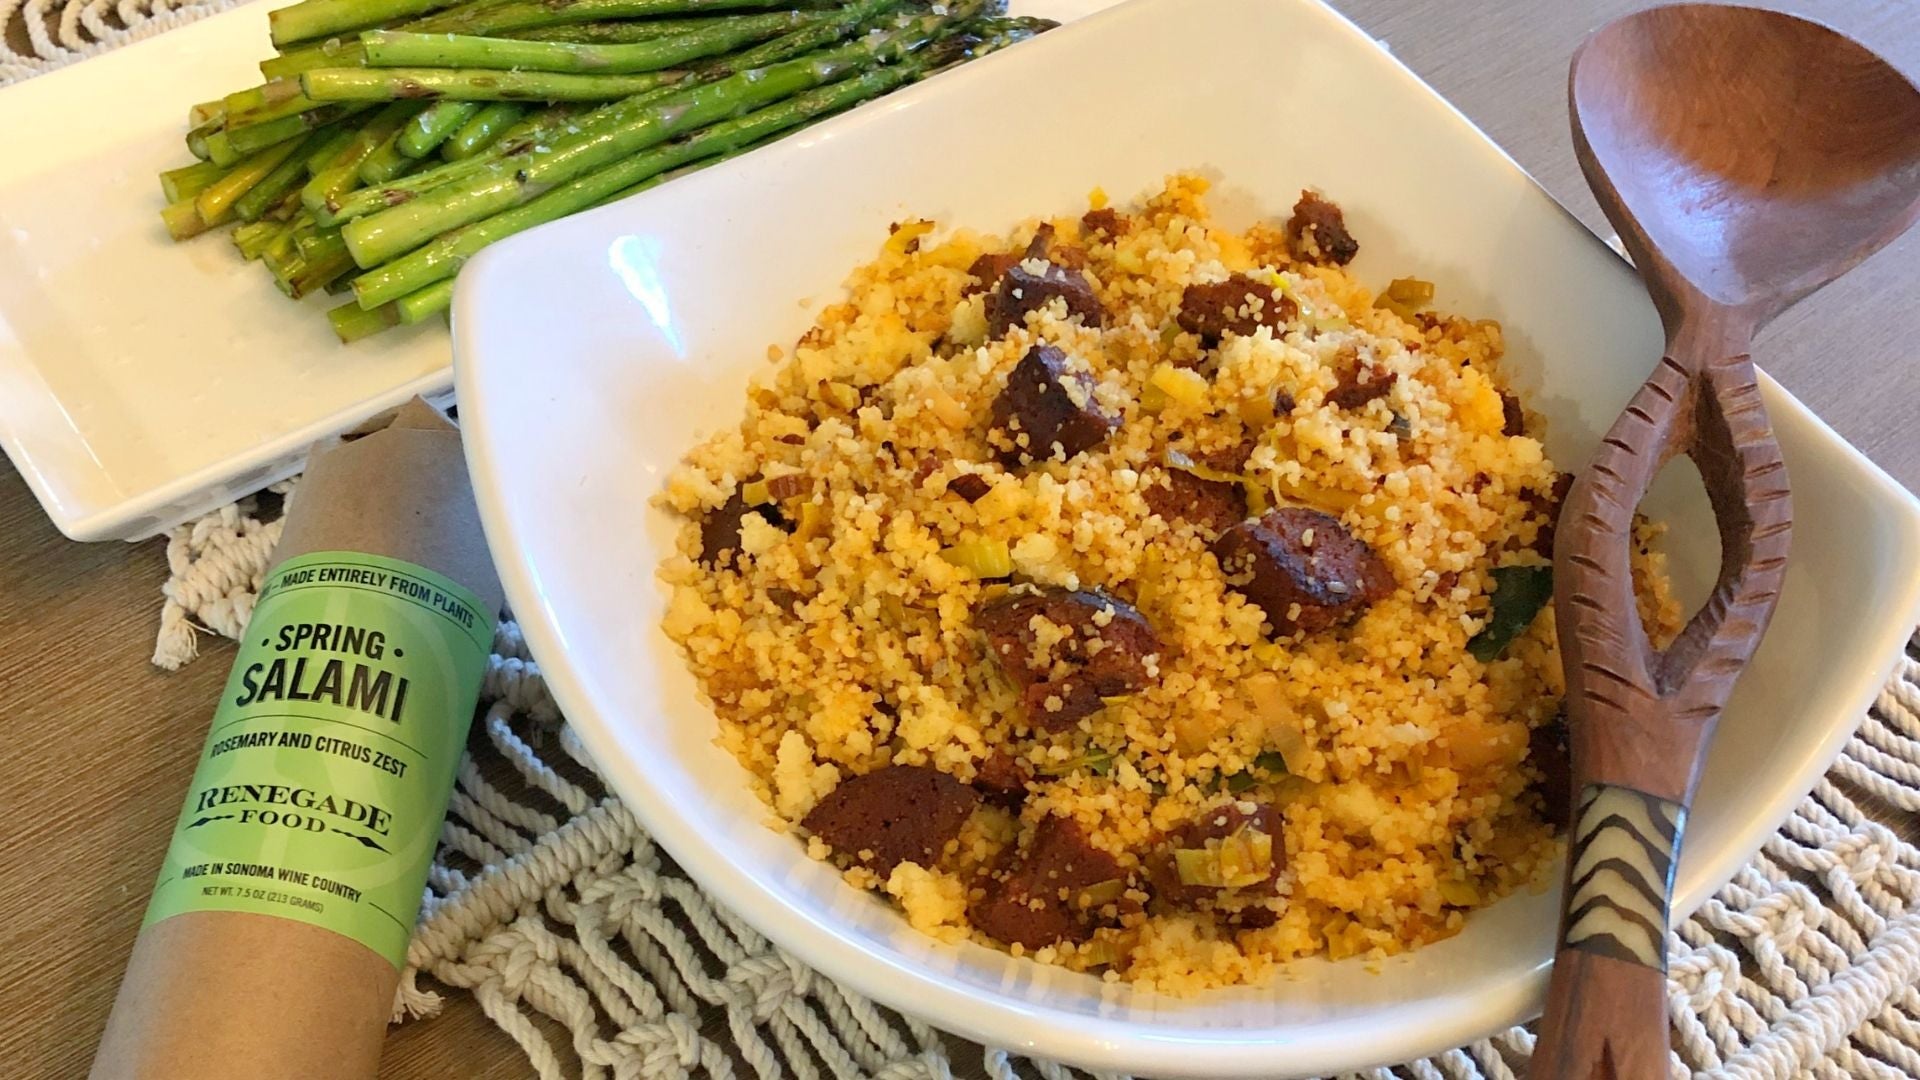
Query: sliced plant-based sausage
[[1317, 232], [1212, 506], [970, 486], [1255, 917], [1238, 305], [1360, 381], [1068, 256], [1360, 384], [1047, 411], [1232, 459], [720, 528], [987, 269], [896, 814], [1216, 823], [1513, 419], [1548, 750], [1303, 568], [1105, 222], [1024, 282], [1021, 290], [1038, 899], [1548, 506], [1002, 779], [1104, 648]]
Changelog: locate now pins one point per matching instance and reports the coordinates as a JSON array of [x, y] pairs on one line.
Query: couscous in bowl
[[661, 308], [1140, 596]]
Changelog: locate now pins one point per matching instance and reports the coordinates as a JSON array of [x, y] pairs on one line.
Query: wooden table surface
[[99, 745]]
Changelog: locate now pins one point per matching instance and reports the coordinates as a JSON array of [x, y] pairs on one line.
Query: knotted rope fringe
[[62, 33], [559, 914]]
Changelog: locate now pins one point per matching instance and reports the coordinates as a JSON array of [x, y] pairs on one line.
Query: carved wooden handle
[[1639, 717]]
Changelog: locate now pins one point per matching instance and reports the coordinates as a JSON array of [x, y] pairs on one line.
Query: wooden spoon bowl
[[1759, 155], [1747, 158]]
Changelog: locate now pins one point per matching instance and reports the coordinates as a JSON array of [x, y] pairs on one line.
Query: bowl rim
[[1104, 1043]]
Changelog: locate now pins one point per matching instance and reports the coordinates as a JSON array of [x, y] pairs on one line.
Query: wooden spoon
[[1747, 158]]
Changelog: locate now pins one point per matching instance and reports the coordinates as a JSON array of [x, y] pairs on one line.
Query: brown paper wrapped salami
[[279, 922]]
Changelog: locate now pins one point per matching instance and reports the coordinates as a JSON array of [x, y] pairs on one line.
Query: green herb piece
[[1519, 592], [1096, 761], [1268, 765]]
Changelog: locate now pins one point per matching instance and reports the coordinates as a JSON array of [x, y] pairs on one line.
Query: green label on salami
[[321, 790]]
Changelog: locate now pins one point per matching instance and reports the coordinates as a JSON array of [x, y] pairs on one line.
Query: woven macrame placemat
[[584, 942], [37, 36]]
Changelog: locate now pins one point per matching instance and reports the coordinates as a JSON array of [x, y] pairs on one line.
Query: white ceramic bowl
[[592, 353]]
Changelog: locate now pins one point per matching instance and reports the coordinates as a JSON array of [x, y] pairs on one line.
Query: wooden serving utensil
[[1746, 158]]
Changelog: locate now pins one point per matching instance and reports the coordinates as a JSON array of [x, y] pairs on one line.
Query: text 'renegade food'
[[1141, 596]]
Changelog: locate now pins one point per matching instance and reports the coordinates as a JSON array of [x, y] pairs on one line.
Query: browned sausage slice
[[1022, 290], [1002, 779], [1108, 650], [1513, 419], [970, 486], [1047, 411], [1239, 305], [987, 269], [1035, 901], [720, 528], [1317, 232], [896, 814], [1360, 384], [1105, 222], [1303, 568], [1212, 506], [1215, 823], [1548, 506]]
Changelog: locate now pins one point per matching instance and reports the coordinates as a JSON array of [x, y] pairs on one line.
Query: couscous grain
[[1148, 561]]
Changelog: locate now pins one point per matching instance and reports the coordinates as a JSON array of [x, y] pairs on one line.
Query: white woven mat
[[580, 938], [584, 942], [59, 32]]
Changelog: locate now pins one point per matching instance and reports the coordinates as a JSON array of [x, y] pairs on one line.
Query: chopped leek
[[905, 235], [1320, 497], [1178, 460], [1096, 761], [1245, 858], [1183, 385], [813, 521], [1405, 296], [840, 395], [1197, 866], [1099, 952], [983, 559], [1408, 290]]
